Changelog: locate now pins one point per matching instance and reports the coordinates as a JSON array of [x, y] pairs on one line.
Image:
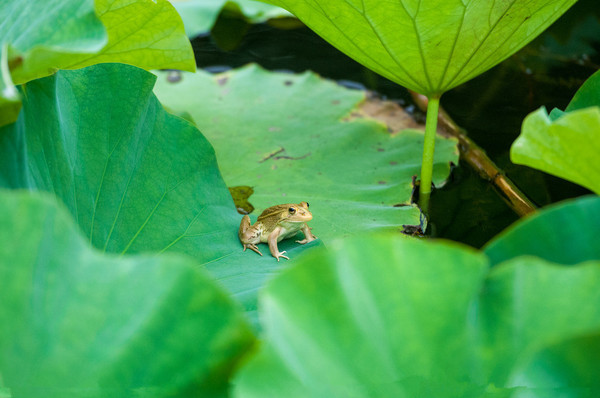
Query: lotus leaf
[[199, 16], [42, 36], [565, 144], [300, 137], [429, 46], [79, 323], [382, 316], [566, 233], [135, 181]]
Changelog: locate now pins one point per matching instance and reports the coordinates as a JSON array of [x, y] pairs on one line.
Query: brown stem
[[471, 153]]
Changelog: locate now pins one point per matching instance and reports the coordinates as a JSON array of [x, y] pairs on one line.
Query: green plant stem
[[476, 157], [428, 149]]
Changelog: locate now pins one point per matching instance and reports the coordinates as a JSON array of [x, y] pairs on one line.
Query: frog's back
[[271, 212]]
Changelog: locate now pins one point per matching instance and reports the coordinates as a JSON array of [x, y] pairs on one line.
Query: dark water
[[491, 107]]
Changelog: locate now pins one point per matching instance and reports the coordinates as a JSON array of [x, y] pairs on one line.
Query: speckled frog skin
[[275, 224]]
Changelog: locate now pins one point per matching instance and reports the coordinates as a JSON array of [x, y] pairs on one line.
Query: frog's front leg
[[273, 244], [249, 235], [308, 236]]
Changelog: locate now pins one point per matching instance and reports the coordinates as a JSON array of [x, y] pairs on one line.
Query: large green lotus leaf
[[580, 353], [79, 323], [566, 233], [533, 310], [293, 138], [429, 46], [389, 317], [43, 36], [199, 16], [135, 178], [567, 147], [145, 33]]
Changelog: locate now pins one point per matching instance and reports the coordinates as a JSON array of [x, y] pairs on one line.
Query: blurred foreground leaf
[[384, 316], [79, 323]]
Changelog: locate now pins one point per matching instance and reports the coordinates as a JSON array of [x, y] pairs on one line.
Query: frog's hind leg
[[252, 247], [249, 235]]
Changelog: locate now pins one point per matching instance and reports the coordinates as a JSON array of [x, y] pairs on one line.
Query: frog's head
[[297, 213], [287, 213]]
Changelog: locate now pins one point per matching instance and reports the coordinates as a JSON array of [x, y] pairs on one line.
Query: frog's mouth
[[304, 217], [301, 218]]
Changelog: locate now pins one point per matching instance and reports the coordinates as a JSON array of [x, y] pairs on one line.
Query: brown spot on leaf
[[393, 163], [221, 81], [380, 150], [288, 82], [335, 102], [381, 182], [392, 115]]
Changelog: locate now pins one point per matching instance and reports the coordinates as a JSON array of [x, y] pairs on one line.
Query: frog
[[275, 224]]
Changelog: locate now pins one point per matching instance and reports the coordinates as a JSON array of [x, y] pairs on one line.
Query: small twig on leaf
[[476, 157]]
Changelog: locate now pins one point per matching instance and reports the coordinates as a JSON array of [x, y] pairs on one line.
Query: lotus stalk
[[433, 106]]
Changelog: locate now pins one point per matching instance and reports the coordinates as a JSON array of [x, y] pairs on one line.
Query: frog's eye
[[307, 205], [292, 210]]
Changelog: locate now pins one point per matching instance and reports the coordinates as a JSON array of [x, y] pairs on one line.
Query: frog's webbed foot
[[303, 241], [280, 254], [252, 247]]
